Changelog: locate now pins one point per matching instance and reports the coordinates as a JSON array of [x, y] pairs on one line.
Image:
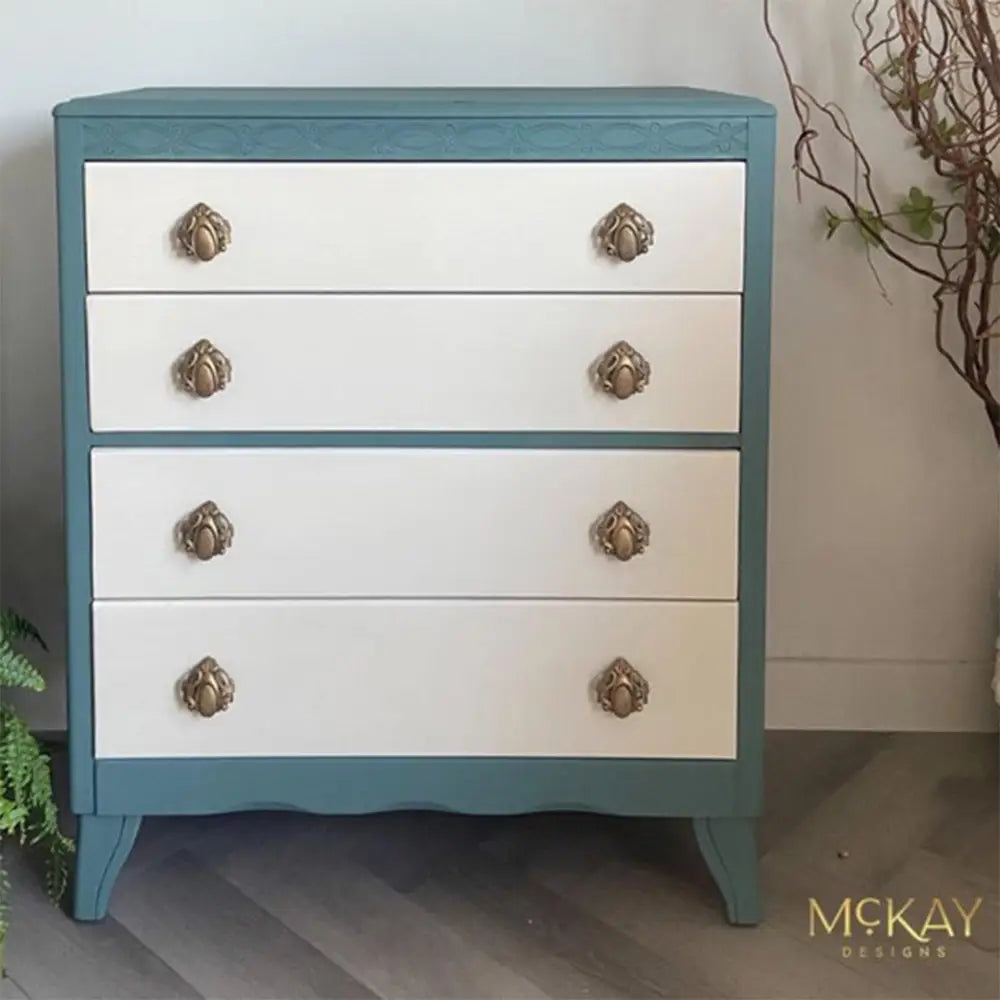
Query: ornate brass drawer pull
[[203, 233], [623, 371], [622, 690], [204, 370], [622, 533], [624, 233], [207, 688], [206, 532]]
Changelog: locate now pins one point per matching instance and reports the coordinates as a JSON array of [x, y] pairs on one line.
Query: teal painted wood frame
[[538, 139], [611, 123], [76, 460], [639, 440], [754, 420], [494, 785], [712, 788], [441, 104]]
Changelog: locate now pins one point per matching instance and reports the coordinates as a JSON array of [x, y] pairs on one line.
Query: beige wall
[[884, 478]]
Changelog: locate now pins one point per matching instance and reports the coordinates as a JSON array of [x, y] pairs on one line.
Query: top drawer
[[415, 226]]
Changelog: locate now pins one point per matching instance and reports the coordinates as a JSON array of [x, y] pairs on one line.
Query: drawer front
[[414, 678], [414, 226], [388, 522], [404, 362]]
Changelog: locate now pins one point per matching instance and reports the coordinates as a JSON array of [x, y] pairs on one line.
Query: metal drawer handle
[[624, 233], [622, 690], [622, 533], [207, 688], [204, 370], [623, 371], [206, 532], [203, 233]]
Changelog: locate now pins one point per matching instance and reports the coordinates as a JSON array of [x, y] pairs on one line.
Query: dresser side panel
[[755, 412], [76, 465]]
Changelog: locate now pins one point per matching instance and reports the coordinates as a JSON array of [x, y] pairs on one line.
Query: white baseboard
[[883, 695]]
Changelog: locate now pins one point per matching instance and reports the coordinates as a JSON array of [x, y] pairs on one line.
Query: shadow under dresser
[[415, 457]]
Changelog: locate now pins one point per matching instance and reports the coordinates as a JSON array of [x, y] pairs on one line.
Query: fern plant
[[28, 811]]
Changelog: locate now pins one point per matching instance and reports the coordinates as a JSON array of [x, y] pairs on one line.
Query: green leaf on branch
[[949, 133], [870, 226], [903, 100], [833, 222], [945, 134], [891, 68], [921, 213]]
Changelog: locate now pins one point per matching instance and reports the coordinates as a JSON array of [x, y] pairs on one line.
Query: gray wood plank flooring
[[423, 905], [9, 990]]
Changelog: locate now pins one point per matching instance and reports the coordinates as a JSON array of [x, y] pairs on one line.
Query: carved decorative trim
[[415, 139]]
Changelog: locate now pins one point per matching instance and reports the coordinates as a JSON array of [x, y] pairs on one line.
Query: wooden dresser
[[415, 457]]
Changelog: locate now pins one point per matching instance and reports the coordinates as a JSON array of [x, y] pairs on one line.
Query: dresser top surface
[[419, 102]]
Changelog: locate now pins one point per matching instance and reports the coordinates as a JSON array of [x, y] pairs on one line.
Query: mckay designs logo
[[890, 927]]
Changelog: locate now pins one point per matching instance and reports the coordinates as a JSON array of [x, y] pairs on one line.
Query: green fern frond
[[28, 811], [16, 670], [15, 626]]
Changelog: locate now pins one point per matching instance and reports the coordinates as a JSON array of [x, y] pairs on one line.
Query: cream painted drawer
[[415, 226], [412, 362], [458, 678], [414, 522]]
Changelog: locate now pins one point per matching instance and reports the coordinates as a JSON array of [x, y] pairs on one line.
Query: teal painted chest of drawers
[[415, 457]]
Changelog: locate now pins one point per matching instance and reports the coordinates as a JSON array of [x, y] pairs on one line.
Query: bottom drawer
[[415, 678]]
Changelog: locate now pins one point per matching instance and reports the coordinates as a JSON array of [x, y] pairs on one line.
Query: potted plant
[[936, 66], [28, 812]]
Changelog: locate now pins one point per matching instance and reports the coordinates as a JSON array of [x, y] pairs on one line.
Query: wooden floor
[[436, 905]]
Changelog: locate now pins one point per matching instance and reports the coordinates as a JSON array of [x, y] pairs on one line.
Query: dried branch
[[936, 66]]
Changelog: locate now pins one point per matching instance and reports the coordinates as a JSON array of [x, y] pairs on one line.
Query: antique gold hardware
[[624, 233], [206, 531], [622, 533], [207, 688], [203, 233], [204, 370], [623, 371], [622, 690]]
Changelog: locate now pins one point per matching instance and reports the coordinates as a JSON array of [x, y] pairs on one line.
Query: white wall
[[884, 486]]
